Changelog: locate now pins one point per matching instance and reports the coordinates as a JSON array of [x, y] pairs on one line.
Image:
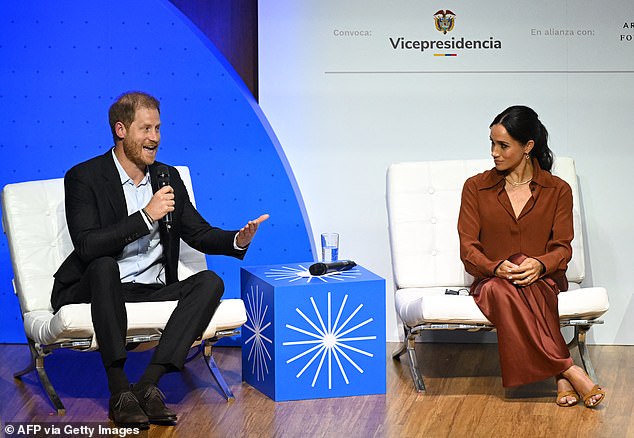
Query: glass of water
[[329, 247]]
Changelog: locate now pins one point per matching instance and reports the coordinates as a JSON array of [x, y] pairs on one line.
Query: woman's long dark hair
[[522, 123]]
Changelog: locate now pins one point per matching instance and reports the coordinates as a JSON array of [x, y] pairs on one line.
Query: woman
[[515, 230]]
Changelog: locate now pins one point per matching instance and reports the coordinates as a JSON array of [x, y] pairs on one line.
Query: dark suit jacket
[[99, 224]]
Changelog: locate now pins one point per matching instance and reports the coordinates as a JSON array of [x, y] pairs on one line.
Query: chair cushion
[[74, 321], [417, 306]]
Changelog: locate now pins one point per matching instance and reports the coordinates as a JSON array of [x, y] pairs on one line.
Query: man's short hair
[[124, 108]]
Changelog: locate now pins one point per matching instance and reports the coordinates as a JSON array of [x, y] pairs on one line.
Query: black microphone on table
[[163, 177], [327, 267]]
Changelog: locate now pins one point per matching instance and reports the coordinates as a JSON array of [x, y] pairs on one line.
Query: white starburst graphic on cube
[[258, 354], [301, 272], [329, 340]]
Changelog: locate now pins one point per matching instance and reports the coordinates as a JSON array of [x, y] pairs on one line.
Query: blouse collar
[[493, 177]]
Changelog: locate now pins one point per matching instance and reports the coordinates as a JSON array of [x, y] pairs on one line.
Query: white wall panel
[[345, 107]]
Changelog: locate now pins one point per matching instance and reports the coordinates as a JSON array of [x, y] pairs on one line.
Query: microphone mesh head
[[163, 175], [318, 269], [162, 171]]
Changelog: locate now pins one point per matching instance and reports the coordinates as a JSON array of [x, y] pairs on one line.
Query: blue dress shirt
[[142, 260]]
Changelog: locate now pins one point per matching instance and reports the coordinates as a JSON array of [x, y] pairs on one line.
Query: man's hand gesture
[[246, 233]]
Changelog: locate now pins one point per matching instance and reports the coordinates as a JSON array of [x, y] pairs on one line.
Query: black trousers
[[198, 298]]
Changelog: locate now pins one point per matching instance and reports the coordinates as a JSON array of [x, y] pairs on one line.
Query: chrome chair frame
[[581, 327], [39, 353]]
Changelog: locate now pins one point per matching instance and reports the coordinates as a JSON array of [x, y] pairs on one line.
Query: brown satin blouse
[[490, 233]]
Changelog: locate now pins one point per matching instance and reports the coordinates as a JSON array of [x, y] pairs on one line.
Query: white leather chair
[[34, 221], [423, 202]]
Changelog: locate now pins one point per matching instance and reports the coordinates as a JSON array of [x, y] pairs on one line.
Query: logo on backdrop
[[445, 21]]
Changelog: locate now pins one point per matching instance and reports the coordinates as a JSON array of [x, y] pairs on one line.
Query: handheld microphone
[[325, 268], [163, 177]]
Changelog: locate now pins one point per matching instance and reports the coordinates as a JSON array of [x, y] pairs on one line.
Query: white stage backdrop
[[352, 86]]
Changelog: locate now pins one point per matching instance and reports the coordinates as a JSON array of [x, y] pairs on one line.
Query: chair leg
[[206, 348], [413, 363], [580, 336], [30, 367], [409, 345], [37, 363], [199, 350], [396, 354]]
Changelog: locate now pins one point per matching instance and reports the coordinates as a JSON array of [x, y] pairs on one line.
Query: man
[[127, 251]]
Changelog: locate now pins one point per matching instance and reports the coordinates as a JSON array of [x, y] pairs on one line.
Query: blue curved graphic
[[62, 68]]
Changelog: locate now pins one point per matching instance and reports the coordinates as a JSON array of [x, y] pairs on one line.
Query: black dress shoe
[[151, 401], [125, 411]]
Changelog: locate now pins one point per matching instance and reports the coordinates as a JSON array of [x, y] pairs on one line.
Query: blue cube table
[[313, 336]]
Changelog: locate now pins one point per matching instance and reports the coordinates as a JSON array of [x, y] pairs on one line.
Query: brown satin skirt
[[530, 343]]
